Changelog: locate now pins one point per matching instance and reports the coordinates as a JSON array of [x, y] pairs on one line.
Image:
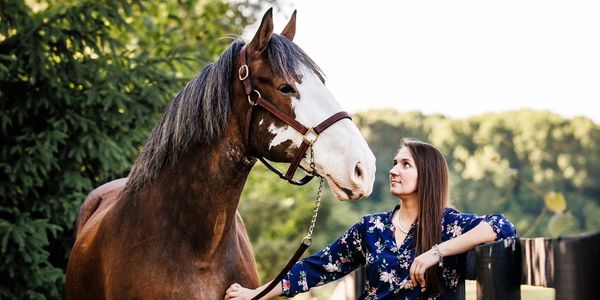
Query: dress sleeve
[[336, 260], [456, 223]]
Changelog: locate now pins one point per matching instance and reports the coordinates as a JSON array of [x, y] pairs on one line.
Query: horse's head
[[281, 77]]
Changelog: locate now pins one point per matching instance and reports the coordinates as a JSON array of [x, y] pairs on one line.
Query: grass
[[527, 292]]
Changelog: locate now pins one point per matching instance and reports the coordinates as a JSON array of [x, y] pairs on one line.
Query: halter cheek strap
[[309, 134]]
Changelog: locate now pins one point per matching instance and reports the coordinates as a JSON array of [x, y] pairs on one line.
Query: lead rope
[[306, 241]]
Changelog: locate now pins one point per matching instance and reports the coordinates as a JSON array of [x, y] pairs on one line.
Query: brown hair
[[432, 190]]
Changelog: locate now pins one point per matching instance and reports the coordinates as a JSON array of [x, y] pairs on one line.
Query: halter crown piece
[[309, 134]]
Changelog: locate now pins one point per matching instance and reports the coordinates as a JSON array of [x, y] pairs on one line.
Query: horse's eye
[[286, 89]]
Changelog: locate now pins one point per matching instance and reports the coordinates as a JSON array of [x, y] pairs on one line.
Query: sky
[[458, 58]]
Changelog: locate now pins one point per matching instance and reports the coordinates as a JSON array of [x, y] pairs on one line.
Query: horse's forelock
[[286, 58]]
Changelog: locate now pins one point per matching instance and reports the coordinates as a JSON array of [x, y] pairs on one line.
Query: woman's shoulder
[[452, 214], [450, 210], [379, 216]]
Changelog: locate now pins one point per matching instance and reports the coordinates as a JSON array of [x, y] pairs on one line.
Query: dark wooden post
[[577, 267], [497, 268], [359, 281]]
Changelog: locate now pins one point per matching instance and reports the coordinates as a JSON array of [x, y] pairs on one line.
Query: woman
[[404, 252]]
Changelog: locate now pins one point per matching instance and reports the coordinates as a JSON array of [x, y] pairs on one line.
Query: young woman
[[409, 252]]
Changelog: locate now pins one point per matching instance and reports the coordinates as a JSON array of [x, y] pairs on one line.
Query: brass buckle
[[310, 136], [246, 73]]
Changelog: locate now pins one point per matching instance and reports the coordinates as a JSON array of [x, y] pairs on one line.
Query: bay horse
[[171, 229]]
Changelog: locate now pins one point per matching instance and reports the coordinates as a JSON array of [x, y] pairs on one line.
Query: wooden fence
[[570, 265]]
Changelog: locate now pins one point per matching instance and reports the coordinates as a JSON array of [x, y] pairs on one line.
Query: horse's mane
[[199, 113]]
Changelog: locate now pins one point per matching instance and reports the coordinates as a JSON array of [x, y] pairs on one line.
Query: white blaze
[[338, 148], [315, 105]]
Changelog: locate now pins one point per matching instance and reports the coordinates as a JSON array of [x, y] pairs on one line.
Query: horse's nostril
[[357, 170]]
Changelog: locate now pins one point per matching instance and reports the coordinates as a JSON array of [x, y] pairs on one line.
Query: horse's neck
[[193, 203]]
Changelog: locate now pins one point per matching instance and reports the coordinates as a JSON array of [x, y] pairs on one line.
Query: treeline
[[541, 170]]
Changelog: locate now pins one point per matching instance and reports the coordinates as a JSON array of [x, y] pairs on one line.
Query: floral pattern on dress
[[371, 243]]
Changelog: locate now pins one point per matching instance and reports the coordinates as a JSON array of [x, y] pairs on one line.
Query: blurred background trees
[[83, 82], [525, 164]]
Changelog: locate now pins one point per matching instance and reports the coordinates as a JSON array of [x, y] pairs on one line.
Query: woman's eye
[[286, 89], [406, 165]]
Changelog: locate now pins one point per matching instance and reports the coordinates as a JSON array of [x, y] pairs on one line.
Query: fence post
[[359, 281], [495, 269], [577, 267]]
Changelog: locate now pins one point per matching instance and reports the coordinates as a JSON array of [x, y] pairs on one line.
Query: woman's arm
[[481, 233], [336, 260]]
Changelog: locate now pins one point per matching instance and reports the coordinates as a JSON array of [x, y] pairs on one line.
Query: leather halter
[[309, 134]]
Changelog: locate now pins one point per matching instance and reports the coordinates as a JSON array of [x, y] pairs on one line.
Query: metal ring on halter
[[250, 100], [310, 136], [246, 73]]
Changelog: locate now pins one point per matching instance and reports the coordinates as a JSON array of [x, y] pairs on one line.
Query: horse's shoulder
[[98, 200]]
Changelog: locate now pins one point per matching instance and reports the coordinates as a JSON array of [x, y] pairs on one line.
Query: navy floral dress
[[371, 243]]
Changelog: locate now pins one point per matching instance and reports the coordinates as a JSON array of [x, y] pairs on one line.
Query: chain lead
[[308, 238], [312, 162]]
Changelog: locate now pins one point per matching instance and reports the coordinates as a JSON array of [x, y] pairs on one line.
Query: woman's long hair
[[432, 190]]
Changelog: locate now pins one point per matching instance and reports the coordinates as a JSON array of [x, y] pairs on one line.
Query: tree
[[81, 85]]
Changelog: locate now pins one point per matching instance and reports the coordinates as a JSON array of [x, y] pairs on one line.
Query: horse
[[171, 229]]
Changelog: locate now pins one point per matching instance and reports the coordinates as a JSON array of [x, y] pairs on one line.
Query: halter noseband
[[309, 134]]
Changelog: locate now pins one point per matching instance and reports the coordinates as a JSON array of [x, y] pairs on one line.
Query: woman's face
[[403, 175]]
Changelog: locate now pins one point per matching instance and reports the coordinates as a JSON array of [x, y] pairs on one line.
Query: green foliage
[[178, 32], [277, 216], [81, 85], [555, 202], [504, 163], [562, 223]]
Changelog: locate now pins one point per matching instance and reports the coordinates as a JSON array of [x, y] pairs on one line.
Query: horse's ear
[[290, 29], [263, 35]]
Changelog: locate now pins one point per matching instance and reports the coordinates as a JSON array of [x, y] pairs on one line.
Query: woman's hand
[[238, 292], [420, 265]]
